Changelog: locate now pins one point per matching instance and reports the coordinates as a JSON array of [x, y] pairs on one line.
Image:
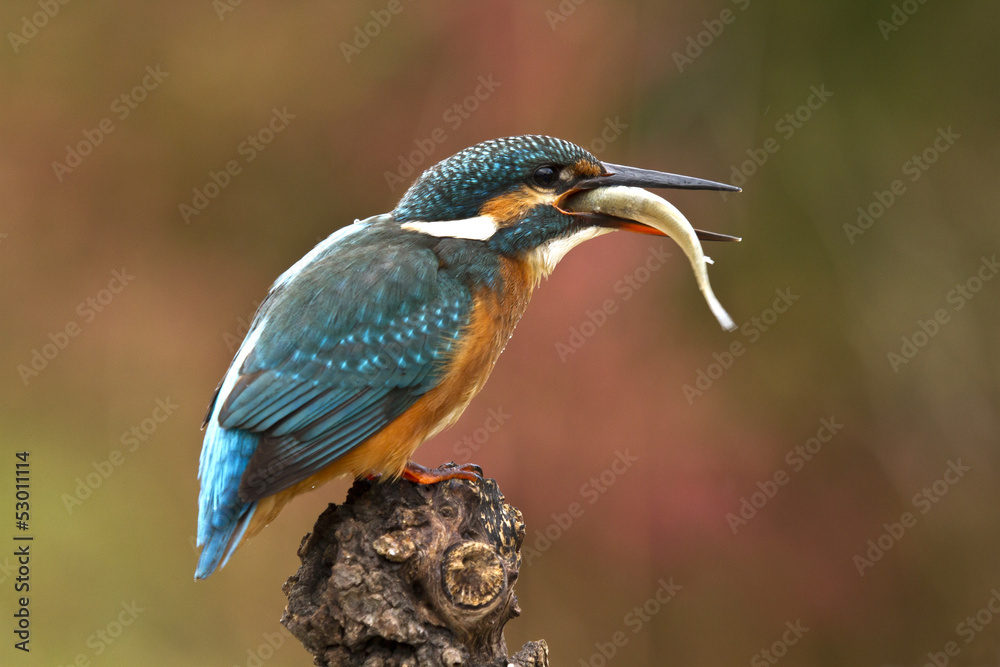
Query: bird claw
[[418, 474]]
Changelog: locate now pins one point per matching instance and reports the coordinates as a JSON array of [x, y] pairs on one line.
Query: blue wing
[[347, 340]]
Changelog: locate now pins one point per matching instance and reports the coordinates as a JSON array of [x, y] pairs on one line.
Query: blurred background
[[819, 487]]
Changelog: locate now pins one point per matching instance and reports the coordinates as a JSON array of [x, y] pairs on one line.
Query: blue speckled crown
[[456, 187]]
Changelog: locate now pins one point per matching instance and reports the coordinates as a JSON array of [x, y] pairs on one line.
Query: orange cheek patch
[[589, 169], [508, 208]]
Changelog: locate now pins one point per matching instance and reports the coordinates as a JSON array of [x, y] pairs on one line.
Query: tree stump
[[412, 575]]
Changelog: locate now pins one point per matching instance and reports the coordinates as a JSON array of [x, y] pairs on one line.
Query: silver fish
[[644, 207]]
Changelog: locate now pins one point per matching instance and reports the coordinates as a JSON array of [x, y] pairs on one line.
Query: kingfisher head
[[516, 194]]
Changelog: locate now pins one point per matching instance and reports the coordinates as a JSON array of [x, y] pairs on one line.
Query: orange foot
[[415, 472]]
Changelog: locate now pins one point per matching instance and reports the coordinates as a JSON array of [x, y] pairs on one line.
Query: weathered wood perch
[[411, 575]]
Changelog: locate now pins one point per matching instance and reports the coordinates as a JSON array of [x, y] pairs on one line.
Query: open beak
[[617, 200], [617, 174]]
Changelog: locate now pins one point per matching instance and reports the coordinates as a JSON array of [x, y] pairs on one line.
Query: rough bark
[[404, 574]]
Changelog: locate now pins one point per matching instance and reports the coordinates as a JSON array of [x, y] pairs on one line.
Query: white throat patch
[[546, 256], [479, 228]]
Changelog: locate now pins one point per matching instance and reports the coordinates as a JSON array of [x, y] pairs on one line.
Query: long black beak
[[617, 174], [646, 178]]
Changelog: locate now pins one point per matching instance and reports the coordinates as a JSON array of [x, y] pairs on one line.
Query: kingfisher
[[379, 337]]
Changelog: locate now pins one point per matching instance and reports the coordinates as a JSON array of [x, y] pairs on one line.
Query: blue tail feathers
[[222, 517]]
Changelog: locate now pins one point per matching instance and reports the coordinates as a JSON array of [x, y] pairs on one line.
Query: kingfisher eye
[[546, 176]]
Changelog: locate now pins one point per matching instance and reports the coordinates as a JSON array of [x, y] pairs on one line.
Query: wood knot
[[472, 575], [411, 575]]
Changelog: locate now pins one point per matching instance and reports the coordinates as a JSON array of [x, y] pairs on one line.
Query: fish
[[644, 207]]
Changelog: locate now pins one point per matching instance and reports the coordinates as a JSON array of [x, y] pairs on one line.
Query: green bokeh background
[[574, 71]]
